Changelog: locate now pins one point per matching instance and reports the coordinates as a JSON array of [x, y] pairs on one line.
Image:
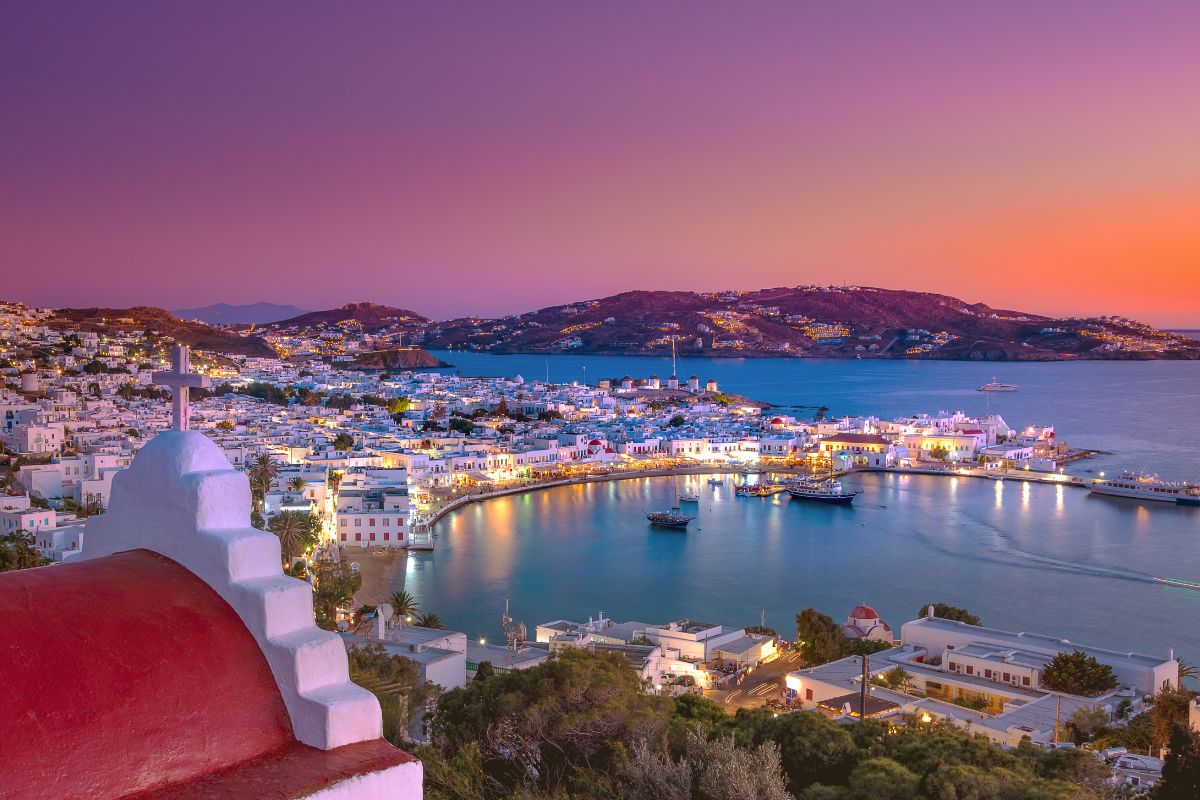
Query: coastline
[[468, 498]]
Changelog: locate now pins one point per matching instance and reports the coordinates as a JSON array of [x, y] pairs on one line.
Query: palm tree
[[297, 483], [430, 620], [403, 604], [295, 532], [262, 471], [1186, 670]]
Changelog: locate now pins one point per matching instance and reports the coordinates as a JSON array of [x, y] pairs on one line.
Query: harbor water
[[1038, 557]]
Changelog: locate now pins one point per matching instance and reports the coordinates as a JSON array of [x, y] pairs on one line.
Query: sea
[[1040, 558]]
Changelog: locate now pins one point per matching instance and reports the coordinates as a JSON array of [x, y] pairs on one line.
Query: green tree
[[820, 638], [1086, 721], [463, 426], [334, 585], [712, 769], [1181, 772], [578, 711], [403, 604], [394, 680], [813, 749], [398, 405], [1078, 673], [17, 552], [939, 453], [297, 483], [943, 611], [343, 441], [262, 472], [428, 619], [225, 425], [484, 670], [297, 532], [882, 779], [1170, 711], [677, 420]]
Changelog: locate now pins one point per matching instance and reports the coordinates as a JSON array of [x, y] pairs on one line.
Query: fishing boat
[[689, 497], [716, 481], [1143, 485], [827, 490], [674, 518], [760, 489], [996, 386]]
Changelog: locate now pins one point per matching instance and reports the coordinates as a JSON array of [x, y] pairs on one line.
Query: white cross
[[181, 380]]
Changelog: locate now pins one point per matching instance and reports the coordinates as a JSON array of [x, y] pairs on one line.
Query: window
[[385, 522], [970, 670], [358, 536], [987, 673], [808, 695], [372, 522], [372, 536], [1007, 677], [1025, 680], [342, 522], [386, 535], [358, 522], [343, 537]]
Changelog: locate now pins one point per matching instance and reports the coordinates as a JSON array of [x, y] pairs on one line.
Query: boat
[[826, 490], [759, 489], [1142, 485], [674, 518], [716, 481], [996, 386], [689, 497]]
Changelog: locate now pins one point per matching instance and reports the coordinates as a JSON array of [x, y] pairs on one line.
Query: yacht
[[1147, 486], [716, 481], [689, 497], [759, 489], [828, 490], [996, 386]]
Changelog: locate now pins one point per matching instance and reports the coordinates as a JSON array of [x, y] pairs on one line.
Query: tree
[[262, 472], [394, 680], [677, 420], [398, 405], [943, 611], [334, 585], [1086, 721], [343, 441], [712, 769], [484, 670], [1181, 772], [403, 604], [939, 453], [533, 727], [813, 749], [1078, 673], [463, 426], [761, 630], [882, 779], [17, 552], [428, 619], [225, 425], [820, 638], [1170, 711], [297, 532], [297, 483]]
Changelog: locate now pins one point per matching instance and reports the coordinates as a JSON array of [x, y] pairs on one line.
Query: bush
[[1078, 673]]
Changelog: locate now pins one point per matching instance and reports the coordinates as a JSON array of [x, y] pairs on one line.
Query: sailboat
[[675, 518], [822, 490]]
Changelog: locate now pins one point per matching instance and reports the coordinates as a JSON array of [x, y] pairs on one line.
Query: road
[[763, 684]]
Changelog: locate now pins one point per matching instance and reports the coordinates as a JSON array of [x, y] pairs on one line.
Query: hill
[[364, 316], [252, 313], [809, 321], [157, 320], [400, 358]]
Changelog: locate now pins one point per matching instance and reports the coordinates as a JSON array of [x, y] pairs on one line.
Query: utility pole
[[865, 689], [1057, 720]]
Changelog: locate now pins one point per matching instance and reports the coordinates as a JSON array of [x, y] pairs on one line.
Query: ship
[[828, 490], [673, 518], [759, 489], [1143, 485], [997, 386]]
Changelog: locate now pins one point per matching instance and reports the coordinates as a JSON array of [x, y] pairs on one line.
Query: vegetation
[[762, 630], [428, 619], [343, 441], [677, 420], [1078, 673], [943, 611], [821, 640], [1181, 772], [396, 682], [17, 552], [334, 585], [262, 472], [580, 726], [403, 604], [298, 532], [463, 426]]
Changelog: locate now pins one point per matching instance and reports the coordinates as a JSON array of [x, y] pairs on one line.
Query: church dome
[[863, 611], [777, 421]]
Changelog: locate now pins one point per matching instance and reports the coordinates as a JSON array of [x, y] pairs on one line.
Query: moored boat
[[829, 490], [673, 518], [1143, 485], [996, 386]]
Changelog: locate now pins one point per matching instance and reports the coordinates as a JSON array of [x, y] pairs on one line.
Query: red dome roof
[[777, 421], [863, 611], [594, 443]]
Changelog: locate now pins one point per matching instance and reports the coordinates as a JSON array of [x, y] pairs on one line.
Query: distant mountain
[[158, 320], [808, 321], [367, 316], [252, 313]]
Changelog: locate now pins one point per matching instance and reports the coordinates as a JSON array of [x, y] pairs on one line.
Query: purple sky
[[463, 158]]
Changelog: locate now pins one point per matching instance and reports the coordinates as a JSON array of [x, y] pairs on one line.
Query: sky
[[487, 158]]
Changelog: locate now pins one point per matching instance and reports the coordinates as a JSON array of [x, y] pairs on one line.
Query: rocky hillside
[[159, 321], [401, 358], [251, 313], [364, 316], [809, 321]]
